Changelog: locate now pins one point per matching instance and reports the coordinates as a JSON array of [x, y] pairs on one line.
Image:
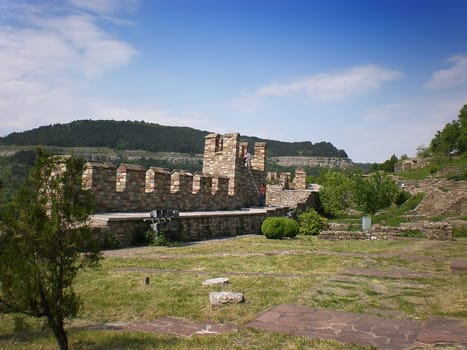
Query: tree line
[[140, 135]]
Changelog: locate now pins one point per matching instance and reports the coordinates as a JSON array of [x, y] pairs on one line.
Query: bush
[[311, 223], [279, 227], [402, 197], [291, 228], [459, 232], [168, 239]]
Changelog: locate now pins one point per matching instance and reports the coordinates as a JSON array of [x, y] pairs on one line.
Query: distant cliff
[[322, 162]]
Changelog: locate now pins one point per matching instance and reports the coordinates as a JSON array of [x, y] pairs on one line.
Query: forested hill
[[134, 135]]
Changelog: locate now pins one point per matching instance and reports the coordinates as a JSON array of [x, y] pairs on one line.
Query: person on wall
[[247, 159], [262, 195]]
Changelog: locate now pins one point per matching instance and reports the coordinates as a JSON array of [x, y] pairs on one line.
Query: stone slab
[[215, 281], [361, 329], [459, 264]]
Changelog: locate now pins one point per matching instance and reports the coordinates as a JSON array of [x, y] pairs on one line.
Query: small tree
[[335, 193], [388, 165], [44, 242], [375, 192]]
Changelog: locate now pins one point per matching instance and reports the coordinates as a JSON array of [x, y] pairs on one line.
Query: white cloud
[[402, 127], [94, 50], [46, 54], [326, 87], [449, 77], [105, 7], [323, 87]]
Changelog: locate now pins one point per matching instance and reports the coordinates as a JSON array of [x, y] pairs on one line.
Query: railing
[[162, 216]]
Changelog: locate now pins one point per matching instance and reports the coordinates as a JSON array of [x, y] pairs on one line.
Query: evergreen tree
[[44, 242]]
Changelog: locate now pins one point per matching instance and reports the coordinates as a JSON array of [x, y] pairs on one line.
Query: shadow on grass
[[126, 341]]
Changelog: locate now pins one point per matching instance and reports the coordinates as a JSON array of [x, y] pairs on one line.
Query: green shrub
[[402, 197], [311, 223], [291, 228], [459, 232], [434, 169], [458, 176], [109, 242], [279, 227]]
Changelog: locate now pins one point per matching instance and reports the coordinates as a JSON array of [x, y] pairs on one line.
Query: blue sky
[[373, 77]]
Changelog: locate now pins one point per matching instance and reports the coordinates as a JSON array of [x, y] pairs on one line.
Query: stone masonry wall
[[225, 183], [292, 194], [440, 231], [187, 227]]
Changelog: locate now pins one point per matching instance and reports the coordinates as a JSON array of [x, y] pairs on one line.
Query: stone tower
[[223, 155]]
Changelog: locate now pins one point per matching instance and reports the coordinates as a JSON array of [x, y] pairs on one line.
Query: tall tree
[[388, 165], [453, 138], [463, 130], [44, 242]]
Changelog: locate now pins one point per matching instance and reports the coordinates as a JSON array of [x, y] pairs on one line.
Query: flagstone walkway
[[345, 327], [362, 329]]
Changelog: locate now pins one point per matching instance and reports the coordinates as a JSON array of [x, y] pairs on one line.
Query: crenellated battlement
[[225, 182]]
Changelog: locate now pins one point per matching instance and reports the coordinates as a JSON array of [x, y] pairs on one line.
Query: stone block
[[215, 281], [219, 298]]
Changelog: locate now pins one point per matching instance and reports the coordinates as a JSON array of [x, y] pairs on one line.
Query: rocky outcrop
[[322, 162]]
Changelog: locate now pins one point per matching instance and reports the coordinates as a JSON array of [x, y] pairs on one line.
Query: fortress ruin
[[224, 184], [222, 200]]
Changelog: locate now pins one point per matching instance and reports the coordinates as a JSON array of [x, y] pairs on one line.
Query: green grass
[[459, 232], [303, 271]]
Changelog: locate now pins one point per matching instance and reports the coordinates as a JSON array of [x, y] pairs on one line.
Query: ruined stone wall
[[284, 179], [292, 194], [440, 231], [124, 231], [225, 183], [295, 199], [412, 163]]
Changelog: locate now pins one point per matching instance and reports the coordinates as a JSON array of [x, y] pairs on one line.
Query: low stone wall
[[299, 199], [440, 231], [341, 235], [123, 229]]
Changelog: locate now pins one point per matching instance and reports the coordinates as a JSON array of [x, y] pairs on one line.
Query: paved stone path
[[345, 327], [459, 265], [362, 329]]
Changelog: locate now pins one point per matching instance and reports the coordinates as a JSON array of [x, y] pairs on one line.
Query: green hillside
[[133, 135]]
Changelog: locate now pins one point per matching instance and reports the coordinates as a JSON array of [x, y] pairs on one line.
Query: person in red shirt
[[262, 195]]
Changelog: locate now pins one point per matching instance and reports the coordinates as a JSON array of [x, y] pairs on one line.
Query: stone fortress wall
[[224, 184]]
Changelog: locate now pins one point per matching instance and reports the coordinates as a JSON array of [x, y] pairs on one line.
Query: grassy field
[[302, 271]]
